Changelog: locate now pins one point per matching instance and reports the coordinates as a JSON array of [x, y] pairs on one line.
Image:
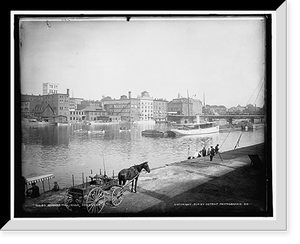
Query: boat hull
[[60, 123], [200, 131], [153, 133]]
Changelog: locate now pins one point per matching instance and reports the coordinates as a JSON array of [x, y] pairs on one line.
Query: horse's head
[[146, 167]]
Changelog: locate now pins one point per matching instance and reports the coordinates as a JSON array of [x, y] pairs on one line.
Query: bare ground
[[226, 186]]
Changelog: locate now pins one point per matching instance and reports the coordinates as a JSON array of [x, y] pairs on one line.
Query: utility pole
[[204, 102], [188, 105]]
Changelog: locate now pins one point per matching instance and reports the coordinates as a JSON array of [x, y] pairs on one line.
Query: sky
[[221, 57]]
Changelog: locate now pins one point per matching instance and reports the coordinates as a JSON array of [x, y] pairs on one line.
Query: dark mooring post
[[82, 180]]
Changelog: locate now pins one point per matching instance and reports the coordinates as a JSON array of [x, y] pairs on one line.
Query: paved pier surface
[[226, 186]]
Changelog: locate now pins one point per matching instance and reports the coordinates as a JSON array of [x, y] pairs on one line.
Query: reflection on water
[[79, 148]]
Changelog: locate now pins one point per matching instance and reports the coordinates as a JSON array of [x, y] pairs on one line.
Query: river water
[[67, 150]]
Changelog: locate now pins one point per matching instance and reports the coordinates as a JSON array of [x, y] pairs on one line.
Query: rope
[[222, 145], [255, 90], [238, 141], [225, 138], [247, 103], [258, 93]]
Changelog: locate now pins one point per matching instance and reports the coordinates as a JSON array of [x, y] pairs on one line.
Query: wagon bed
[[94, 196]]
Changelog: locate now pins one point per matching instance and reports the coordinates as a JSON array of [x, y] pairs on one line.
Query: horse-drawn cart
[[103, 189], [94, 196]]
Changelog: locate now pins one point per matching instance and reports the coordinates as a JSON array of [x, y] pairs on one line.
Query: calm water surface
[[67, 150]]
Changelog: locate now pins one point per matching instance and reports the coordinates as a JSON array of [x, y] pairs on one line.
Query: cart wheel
[[72, 203], [117, 195], [95, 200]]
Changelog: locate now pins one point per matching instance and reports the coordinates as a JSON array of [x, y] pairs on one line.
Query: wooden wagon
[[94, 195]]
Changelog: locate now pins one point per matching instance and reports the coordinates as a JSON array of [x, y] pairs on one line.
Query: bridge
[[210, 117]]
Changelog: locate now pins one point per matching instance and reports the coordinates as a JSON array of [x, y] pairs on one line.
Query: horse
[[131, 173]]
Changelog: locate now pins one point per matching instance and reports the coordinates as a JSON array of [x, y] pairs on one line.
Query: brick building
[[185, 106], [126, 107], [145, 106], [29, 103], [33, 105], [160, 109], [59, 102]]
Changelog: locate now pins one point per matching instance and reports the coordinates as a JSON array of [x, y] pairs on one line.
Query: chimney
[[68, 91], [129, 94]]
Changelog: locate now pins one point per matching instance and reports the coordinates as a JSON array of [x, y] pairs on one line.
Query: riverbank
[[226, 186]]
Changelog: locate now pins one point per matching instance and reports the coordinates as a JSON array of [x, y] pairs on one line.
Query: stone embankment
[[196, 187]]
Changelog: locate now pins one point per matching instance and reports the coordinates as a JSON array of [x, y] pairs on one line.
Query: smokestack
[[129, 94], [68, 91]]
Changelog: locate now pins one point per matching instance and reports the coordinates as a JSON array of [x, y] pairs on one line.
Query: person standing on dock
[[217, 149], [212, 153], [208, 151]]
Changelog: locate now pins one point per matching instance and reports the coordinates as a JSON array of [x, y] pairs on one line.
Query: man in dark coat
[[217, 149], [212, 153], [34, 191]]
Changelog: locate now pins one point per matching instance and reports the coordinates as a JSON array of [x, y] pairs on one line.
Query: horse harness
[[132, 174]]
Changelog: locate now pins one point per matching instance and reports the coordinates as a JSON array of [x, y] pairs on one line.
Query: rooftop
[[93, 108]]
